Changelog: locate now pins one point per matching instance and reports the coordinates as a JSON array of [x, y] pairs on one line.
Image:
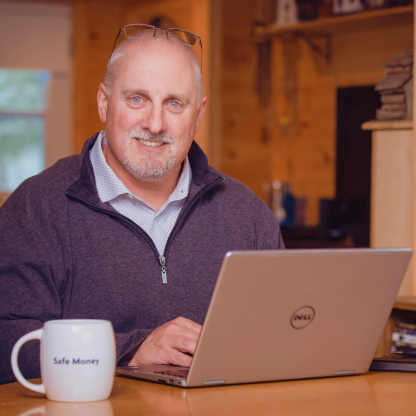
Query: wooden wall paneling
[[193, 15], [305, 88], [243, 154], [79, 82], [215, 91], [96, 24], [201, 18], [305, 117], [243, 146]]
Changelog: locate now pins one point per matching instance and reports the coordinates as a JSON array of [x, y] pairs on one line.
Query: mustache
[[146, 135]]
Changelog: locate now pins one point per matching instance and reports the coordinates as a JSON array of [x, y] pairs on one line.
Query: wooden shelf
[[407, 303], [388, 125], [337, 24]]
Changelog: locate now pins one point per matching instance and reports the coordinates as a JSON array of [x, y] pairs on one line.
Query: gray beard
[[149, 169]]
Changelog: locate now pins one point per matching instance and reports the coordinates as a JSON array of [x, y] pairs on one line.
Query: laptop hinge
[[210, 383], [339, 373]]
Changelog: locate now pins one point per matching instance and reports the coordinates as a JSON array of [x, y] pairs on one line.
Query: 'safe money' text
[[78, 361]]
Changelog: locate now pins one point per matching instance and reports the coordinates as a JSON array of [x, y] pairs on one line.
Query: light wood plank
[[407, 303], [372, 394], [388, 125], [391, 195], [339, 23]]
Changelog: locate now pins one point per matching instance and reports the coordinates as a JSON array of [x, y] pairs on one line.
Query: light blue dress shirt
[[158, 225]]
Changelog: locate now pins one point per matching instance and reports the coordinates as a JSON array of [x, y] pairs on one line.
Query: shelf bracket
[[325, 52]]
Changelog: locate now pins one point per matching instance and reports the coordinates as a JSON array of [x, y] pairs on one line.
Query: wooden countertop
[[370, 394]]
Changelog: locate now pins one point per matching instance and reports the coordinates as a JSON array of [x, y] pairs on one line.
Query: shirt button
[[157, 218]]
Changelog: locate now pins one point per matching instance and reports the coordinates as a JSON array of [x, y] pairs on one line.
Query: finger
[[188, 333], [190, 324], [176, 328], [178, 358], [183, 344]]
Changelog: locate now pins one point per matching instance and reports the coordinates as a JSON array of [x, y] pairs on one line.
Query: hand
[[169, 344]]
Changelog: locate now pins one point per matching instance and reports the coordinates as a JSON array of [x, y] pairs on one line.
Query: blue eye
[[174, 104], [137, 99]]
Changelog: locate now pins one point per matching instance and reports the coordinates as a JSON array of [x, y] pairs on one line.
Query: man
[[133, 230]]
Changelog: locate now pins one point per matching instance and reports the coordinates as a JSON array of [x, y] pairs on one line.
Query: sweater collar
[[85, 188]]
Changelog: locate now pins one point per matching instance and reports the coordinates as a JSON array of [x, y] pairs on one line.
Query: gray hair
[[115, 60]]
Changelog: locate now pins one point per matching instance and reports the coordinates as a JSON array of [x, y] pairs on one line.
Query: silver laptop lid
[[293, 314]]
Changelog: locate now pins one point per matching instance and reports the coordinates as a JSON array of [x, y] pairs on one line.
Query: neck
[[154, 193]]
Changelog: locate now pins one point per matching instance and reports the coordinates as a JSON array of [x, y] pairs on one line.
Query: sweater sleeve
[[268, 234], [128, 343], [28, 292], [33, 277]]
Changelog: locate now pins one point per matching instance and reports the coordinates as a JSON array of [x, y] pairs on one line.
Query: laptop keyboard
[[174, 373]]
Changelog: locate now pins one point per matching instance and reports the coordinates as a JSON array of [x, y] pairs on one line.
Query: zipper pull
[[162, 262]]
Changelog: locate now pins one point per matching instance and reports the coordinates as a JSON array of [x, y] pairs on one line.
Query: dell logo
[[302, 317]]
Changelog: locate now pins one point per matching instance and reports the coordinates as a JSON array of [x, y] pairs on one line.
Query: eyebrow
[[128, 92]]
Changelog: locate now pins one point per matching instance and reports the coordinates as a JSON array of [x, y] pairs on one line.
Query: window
[[22, 125], [35, 89]]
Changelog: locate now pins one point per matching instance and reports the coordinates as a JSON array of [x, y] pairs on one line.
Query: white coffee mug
[[77, 360]]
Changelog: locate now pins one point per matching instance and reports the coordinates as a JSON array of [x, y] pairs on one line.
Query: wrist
[[135, 361]]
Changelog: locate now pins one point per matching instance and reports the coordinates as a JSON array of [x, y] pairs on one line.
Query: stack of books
[[403, 352], [404, 336]]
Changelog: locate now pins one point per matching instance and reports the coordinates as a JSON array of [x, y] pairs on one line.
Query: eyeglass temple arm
[[167, 37], [200, 42], [119, 33]]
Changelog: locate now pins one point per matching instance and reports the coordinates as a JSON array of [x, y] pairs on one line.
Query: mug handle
[[39, 388]]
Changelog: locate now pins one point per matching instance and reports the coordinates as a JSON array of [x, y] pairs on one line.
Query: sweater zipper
[[179, 222], [160, 259], [162, 262]]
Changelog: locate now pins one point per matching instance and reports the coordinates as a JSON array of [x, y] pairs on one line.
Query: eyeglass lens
[[141, 30], [135, 31]]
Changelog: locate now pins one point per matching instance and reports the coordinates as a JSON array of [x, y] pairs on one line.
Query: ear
[[200, 112], [102, 101]]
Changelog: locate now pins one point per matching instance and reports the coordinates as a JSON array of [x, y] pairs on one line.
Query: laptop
[[290, 314]]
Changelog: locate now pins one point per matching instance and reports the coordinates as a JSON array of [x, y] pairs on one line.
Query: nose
[[154, 121]]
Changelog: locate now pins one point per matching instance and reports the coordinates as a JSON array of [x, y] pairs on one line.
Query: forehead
[[158, 65]]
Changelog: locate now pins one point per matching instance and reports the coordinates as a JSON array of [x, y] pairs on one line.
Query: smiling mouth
[[150, 142]]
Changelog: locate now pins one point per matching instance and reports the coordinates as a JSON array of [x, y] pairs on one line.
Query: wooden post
[[392, 215]]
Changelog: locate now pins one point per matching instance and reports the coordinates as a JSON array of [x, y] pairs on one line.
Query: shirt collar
[[110, 186]]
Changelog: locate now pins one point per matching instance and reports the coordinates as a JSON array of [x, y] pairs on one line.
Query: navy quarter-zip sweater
[[66, 255]]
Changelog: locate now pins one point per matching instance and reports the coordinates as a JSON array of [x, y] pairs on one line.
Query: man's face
[[152, 112]]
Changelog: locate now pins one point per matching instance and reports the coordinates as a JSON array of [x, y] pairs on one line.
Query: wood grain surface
[[305, 95], [367, 395]]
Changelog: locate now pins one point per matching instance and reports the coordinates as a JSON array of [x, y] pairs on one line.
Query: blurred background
[[289, 83]]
